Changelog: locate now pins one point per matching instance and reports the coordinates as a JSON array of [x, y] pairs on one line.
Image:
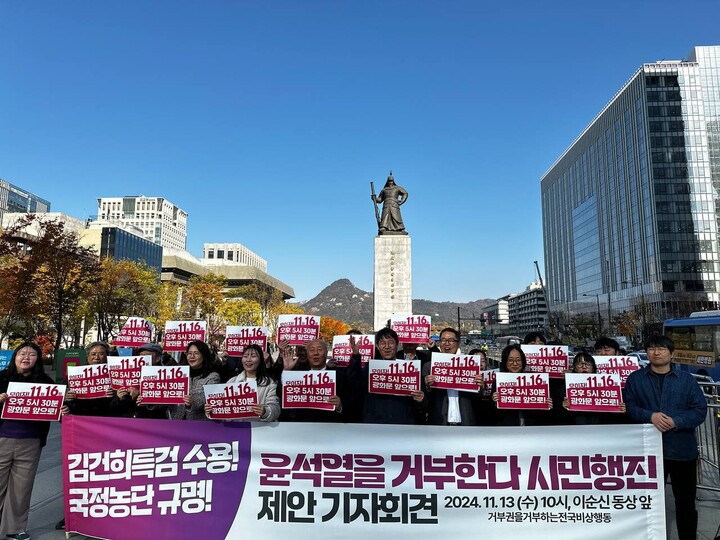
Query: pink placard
[[179, 333], [522, 390], [239, 337], [411, 328], [394, 377], [125, 371], [135, 332], [308, 389], [33, 401], [488, 382], [232, 401], [298, 329], [623, 366], [88, 382], [164, 385], [342, 352], [593, 392], [551, 359], [455, 372]]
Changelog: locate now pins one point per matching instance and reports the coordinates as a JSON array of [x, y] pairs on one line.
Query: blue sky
[[266, 121]]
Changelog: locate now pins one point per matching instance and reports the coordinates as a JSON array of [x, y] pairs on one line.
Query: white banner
[[354, 481]]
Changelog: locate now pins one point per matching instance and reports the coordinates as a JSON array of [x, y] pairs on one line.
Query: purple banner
[[153, 478]]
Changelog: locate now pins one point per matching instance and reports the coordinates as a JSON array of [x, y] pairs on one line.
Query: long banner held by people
[[138, 479]]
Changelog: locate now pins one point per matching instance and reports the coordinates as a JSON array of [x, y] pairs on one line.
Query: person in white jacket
[[254, 368]]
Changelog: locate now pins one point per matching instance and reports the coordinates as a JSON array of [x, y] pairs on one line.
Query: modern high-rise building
[[631, 210], [528, 310], [233, 252], [105, 238], [15, 199], [160, 220]]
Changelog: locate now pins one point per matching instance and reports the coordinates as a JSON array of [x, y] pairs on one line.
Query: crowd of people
[[659, 394]]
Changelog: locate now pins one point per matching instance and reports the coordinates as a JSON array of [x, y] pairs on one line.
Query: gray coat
[[196, 410]]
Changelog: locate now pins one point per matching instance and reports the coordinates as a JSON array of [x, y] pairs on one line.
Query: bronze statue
[[391, 197]]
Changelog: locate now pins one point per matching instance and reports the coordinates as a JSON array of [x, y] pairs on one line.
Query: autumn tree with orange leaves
[[51, 273], [330, 327]]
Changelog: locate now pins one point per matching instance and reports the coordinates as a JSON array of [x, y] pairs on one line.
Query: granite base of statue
[[393, 278], [392, 286]]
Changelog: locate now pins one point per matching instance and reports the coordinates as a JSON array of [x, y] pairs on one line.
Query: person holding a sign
[[20, 444], [484, 407], [97, 353], [317, 351], [113, 404], [670, 399], [450, 407], [513, 360], [384, 408], [202, 372], [583, 363], [254, 368]]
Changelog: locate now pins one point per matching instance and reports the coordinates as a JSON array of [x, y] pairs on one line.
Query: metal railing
[[708, 473]]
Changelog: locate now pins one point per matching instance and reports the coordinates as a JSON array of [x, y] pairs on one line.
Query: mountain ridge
[[343, 301]]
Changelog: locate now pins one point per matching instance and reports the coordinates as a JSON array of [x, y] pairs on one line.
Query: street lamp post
[[642, 305], [597, 297], [567, 321]]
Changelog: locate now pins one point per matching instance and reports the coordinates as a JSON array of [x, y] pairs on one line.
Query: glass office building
[[120, 244], [15, 199], [631, 209]]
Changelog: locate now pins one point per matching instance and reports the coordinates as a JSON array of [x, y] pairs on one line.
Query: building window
[[230, 256], [211, 254], [220, 253]]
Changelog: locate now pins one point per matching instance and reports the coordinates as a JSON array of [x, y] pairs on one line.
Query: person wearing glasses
[[202, 372], [583, 363], [383, 408], [671, 400], [512, 360], [449, 407], [21, 442]]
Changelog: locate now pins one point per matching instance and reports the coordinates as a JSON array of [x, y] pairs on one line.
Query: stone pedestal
[[392, 286]]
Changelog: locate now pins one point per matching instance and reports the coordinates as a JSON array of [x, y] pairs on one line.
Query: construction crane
[[542, 283]]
